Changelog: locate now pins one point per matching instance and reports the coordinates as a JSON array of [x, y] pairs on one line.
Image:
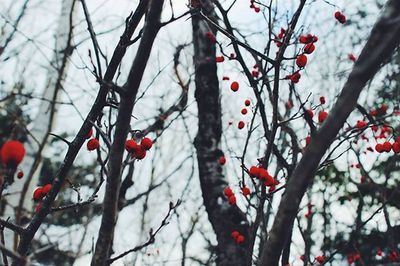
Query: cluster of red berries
[[353, 257], [262, 174], [12, 153], [382, 110], [39, 193], [138, 151], [230, 195], [321, 115], [238, 237], [320, 259], [340, 17], [256, 8], [279, 38], [301, 60], [93, 143], [387, 146]]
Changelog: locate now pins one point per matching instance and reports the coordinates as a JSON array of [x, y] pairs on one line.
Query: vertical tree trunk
[[128, 96], [384, 39], [223, 217]]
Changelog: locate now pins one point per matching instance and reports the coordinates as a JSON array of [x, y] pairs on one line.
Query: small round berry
[[245, 191], [241, 125], [247, 102], [244, 111], [20, 174], [234, 86], [222, 160], [93, 144], [139, 153], [131, 145], [146, 143], [228, 192], [322, 116], [301, 61]]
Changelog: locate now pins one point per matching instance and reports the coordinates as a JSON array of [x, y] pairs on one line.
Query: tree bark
[[223, 217], [128, 97], [76, 144], [383, 40]]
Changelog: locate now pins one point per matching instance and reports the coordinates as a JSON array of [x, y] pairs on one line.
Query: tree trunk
[[223, 217], [384, 39], [128, 96]]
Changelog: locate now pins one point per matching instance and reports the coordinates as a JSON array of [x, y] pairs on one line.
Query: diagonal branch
[[384, 38]]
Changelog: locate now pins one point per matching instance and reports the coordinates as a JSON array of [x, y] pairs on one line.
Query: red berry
[[232, 200], [247, 102], [322, 100], [309, 48], [254, 171], [379, 252], [240, 239], [320, 259], [46, 188], [257, 9], [301, 61], [244, 111], [235, 234], [387, 146], [241, 125], [12, 153], [222, 160], [219, 59], [20, 174], [131, 145], [139, 153], [245, 191], [352, 57], [308, 140], [361, 124], [93, 144], [379, 148], [396, 147], [228, 192], [340, 17], [38, 194], [225, 78], [322, 116], [295, 77], [234, 86], [255, 73], [146, 143], [309, 113]]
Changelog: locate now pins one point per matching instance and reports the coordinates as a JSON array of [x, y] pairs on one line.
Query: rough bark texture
[[223, 217], [384, 38], [76, 144], [128, 97]]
